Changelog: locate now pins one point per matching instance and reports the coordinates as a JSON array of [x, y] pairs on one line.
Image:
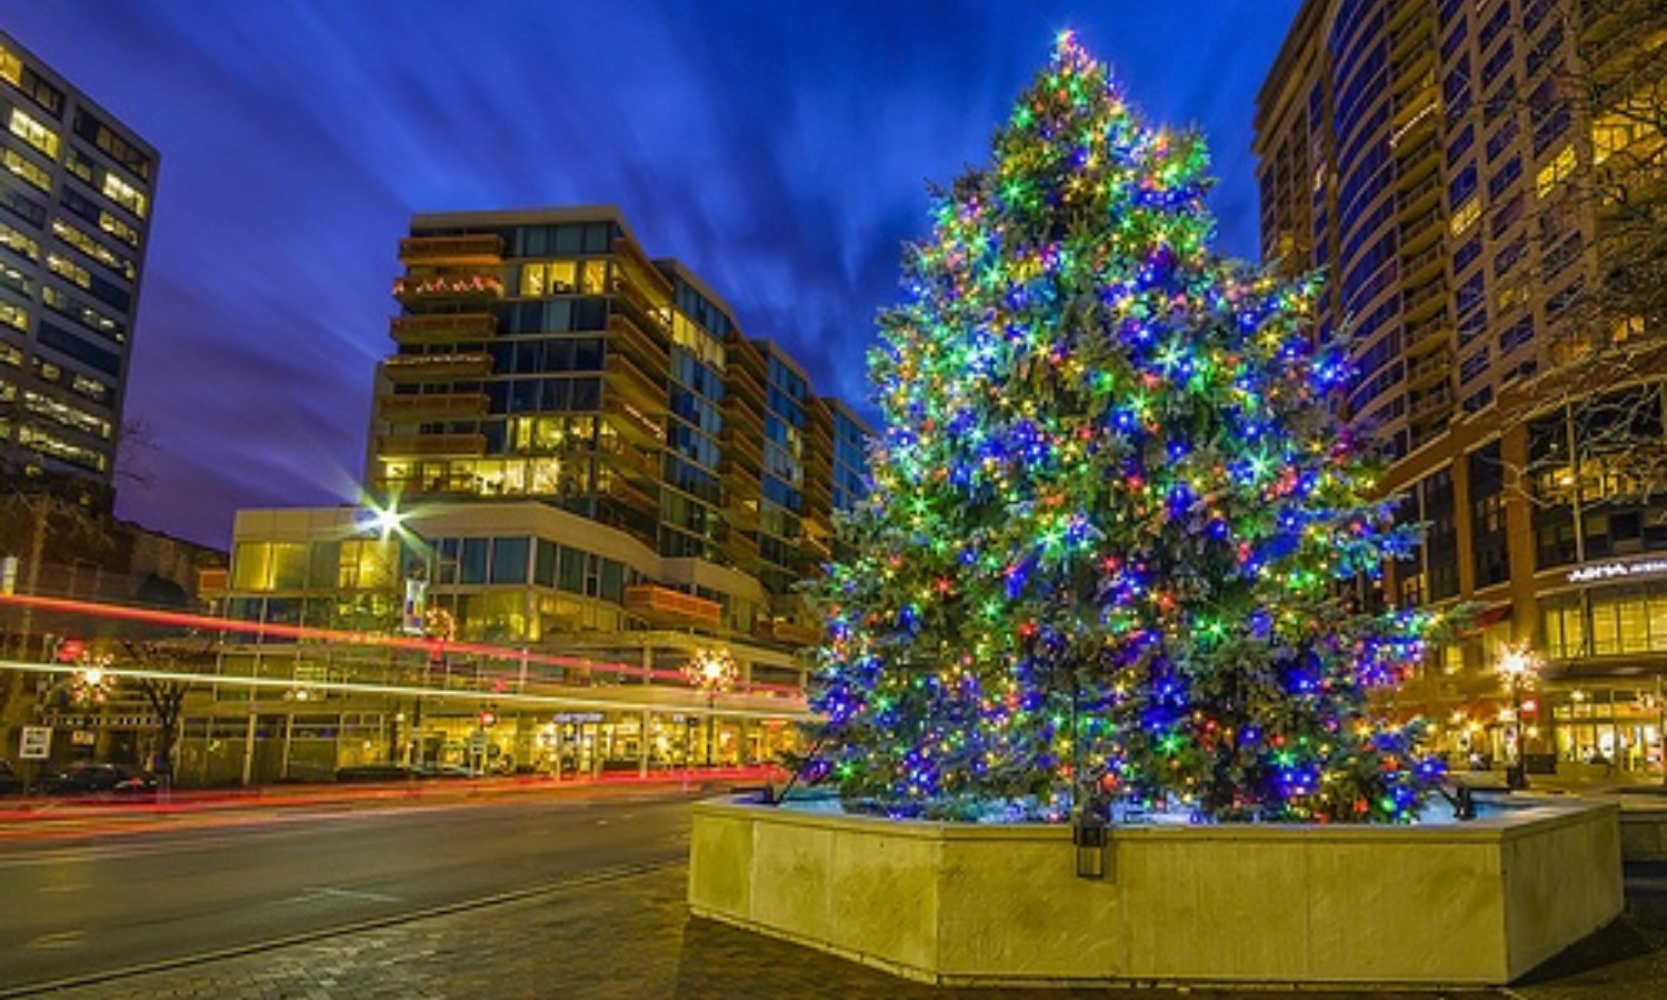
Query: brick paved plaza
[[631, 938]]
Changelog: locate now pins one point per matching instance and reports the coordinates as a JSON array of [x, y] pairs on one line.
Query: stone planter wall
[[1475, 904]]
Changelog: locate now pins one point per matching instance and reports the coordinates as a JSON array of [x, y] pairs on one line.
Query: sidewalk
[[632, 939]]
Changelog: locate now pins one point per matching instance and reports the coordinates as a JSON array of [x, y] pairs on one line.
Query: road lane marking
[[56, 941]]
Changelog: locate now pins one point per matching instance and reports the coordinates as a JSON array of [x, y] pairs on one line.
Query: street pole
[[711, 723]]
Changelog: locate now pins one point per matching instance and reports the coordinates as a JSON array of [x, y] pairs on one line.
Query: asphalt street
[[572, 896]]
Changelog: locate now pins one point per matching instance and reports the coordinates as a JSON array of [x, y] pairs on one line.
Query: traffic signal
[[69, 651]]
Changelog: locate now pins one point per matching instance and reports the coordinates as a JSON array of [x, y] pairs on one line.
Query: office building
[[1481, 182], [75, 204]]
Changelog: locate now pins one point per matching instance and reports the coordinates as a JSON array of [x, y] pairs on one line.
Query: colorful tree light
[[1112, 513]]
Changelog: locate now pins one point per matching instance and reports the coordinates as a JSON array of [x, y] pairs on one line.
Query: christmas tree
[[1113, 516]]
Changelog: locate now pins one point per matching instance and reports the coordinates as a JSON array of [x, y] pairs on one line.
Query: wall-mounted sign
[[1618, 570], [580, 717], [36, 743]]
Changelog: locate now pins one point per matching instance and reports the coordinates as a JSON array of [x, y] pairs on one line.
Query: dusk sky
[[782, 150]]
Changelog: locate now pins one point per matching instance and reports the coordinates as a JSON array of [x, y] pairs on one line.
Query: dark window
[[59, 339], [509, 560], [544, 570], [572, 565], [471, 564], [1491, 555]]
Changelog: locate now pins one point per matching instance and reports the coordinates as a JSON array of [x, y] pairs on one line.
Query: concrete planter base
[[1480, 903]]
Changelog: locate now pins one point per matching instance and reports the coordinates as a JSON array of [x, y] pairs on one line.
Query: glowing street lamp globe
[[1518, 666], [712, 670]]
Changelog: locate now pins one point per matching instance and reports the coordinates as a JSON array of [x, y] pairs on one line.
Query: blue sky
[[780, 149]]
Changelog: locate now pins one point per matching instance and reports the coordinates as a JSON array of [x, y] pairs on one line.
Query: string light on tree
[[1111, 510]]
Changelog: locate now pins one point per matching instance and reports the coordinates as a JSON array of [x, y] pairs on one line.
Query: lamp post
[[711, 671], [1518, 670]]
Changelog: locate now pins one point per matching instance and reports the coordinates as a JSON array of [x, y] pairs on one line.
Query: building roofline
[[1292, 52], [553, 215], [45, 68]]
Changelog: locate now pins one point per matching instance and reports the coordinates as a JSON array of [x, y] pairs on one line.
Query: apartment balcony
[[817, 493], [448, 288], [653, 322], [819, 427], [484, 248], [739, 412], [1420, 304], [408, 368], [1414, 131], [637, 276], [1422, 232], [643, 467], [816, 548], [1415, 64], [1604, 19], [741, 380], [671, 607], [742, 551], [431, 445], [1416, 153], [741, 477], [1428, 404], [741, 453], [742, 514], [629, 381], [626, 337], [1421, 198], [443, 328], [789, 633], [1429, 370], [632, 423], [1401, 12], [1423, 267], [818, 524], [1428, 334], [431, 406], [634, 493]]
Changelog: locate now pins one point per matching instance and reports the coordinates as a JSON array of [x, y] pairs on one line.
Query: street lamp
[[1519, 670], [712, 671]]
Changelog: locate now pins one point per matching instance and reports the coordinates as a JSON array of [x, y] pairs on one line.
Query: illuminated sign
[[1618, 570]]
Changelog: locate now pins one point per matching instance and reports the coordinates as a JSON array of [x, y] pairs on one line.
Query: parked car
[[10, 782], [85, 777]]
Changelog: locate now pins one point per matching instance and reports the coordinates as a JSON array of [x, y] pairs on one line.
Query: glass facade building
[[600, 478], [75, 205], [1470, 175]]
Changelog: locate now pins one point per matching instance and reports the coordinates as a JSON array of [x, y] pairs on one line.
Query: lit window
[[124, 194], [1466, 215], [34, 133], [1513, 296], [118, 228], [13, 315], [1557, 170], [28, 169], [68, 269], [92, 248], [19, 243]]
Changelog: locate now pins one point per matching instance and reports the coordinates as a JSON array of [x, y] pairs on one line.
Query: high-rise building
[[544, 355], [75, 204], [600, 480], [1481, 181]]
